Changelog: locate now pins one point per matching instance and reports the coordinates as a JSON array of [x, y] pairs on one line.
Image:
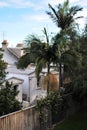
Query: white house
[[24, 79]]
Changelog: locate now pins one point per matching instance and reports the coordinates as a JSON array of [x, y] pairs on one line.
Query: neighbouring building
[[25, 80]]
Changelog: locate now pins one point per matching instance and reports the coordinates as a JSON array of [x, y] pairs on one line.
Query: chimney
[[20, 47], [4, 44]]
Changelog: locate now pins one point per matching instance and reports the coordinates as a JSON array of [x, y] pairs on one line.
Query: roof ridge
[[13, 52]]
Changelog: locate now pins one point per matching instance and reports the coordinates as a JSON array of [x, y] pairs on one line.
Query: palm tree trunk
[[48, 71], [60, 76]]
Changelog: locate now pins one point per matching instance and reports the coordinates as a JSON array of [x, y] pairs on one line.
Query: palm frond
[[53, 15], [24, 61], [40, 64], [46, 35], [64, 15]]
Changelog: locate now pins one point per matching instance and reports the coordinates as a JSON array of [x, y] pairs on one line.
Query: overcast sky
[[18, 18]]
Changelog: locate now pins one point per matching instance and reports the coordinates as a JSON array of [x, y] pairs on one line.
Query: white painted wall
[[29, 86], [25, 85], [33, 87], [8, 58], [35, 92]]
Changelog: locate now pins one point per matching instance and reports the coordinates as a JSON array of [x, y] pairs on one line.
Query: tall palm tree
[[41, 53], [64, 18], [68, 55], [45, 58]]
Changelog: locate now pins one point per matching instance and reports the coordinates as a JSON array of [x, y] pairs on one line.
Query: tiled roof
[[8, 57], [15, 51]]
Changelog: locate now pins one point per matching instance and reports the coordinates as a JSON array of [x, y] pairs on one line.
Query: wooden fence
[[27, 119]]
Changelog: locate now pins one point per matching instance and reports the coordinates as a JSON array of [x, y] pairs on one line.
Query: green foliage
[[3, 66], [8, 102], [80, 81], [64, 15], [24, 61], [39, 52], [69, 49], [51, 107], [47, 102], [65, 41], [45, 105]]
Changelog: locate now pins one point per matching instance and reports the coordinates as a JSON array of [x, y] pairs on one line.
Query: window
[[38, 81], [15, 87]]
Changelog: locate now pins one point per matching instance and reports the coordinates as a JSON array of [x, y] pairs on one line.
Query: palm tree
[[64, 18], [68, 55], [41, 53]]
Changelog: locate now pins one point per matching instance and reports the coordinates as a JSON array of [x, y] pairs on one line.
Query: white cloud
[[72, 2], [38, 5], [16, 3], [81, 3], [4, 4], [21, 3], [37, 17], [56, 2]]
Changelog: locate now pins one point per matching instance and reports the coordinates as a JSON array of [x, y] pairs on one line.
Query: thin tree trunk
[[48, 71], [60, 76]]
